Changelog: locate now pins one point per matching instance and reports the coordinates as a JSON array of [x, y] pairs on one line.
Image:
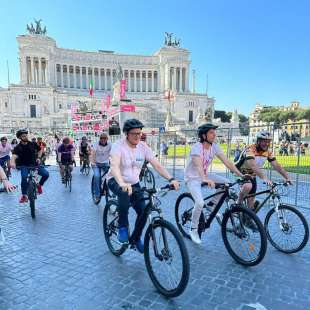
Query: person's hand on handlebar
[[268, 182], [209, 182], [175, 184], [289, 181], [126, 187], [9, 187]]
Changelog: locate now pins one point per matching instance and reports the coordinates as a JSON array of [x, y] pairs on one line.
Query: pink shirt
[[5, 151], [131, 159], [191, 172]]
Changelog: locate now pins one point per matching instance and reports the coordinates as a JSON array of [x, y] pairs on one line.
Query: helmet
[[132, 124], [84, 138], [21, 132], [203, 129], [263, 134]]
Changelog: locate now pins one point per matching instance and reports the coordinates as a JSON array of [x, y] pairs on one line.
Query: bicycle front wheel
[[244, 236], [166, 258], [110, 228], [31, 197], [287, 229]]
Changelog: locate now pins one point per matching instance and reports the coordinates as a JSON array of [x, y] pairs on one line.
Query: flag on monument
[[91, 88]]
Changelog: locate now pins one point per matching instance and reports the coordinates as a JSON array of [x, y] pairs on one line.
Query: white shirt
[[206, 155], [102, 153], [131, 159], [5, 151]]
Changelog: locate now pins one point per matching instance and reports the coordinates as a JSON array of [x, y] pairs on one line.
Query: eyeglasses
[[135, 134]]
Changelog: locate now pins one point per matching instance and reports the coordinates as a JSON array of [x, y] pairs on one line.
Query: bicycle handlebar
[[226, 185]]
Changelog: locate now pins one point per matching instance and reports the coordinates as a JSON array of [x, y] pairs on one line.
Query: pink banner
[[87, 117], [76, 117], [128, 108], [108, 102], [84, 127], [96, 127], [103, 105], [123, 89], [73, 108]]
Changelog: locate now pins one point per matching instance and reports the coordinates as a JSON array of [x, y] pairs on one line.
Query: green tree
[[225, 118]]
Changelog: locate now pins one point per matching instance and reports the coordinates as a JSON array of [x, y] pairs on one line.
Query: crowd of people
[[123, 161]]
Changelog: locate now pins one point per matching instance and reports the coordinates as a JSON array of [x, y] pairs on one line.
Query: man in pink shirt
[[127, 157], [5, 150]]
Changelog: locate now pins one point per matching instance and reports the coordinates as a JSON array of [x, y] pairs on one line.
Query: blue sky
[[253, 51]]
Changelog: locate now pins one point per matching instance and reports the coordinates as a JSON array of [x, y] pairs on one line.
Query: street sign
[[162, 129]]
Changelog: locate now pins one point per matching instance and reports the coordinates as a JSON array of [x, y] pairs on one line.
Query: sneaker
[[23, 199], [2, 239], [139, 246], [123, 235], [194, 236], [39, 189]]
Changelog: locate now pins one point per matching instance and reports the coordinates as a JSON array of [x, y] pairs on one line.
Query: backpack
[[239, 161]]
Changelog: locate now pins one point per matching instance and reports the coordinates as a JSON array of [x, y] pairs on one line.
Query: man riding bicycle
[[84, 151], [126, 158], [27, 154], [196, 172], [252, 160], [65, 157], [5, 150], [100, 160]]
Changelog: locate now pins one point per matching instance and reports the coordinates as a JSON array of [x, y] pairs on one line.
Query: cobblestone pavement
[[60, 261]]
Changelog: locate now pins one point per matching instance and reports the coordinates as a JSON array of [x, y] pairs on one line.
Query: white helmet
[[263, 134]]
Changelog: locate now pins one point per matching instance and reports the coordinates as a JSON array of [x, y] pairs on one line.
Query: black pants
[[125, 201]]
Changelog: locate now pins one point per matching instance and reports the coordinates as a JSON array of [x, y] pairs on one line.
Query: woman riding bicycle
[[65, 156], [127, 157], [100, 161], [196, 172]]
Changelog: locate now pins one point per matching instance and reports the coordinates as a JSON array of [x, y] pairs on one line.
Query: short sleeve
[[271, 157], [16, 151], [195, 150]]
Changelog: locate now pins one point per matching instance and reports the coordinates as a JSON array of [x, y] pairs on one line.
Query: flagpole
[[8, 69]]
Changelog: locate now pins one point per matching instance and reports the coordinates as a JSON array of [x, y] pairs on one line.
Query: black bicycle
[[104, 189], [146, 176], [246, 246], [85, 164], [32, 185], [68, 176], [286, 227], [165, 253]]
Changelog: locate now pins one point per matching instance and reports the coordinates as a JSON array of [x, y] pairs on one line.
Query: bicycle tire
[[148, 178], [185, 217], [110, 229], [244, 212], [95, 199], [87, 170], [304, 222], [70, 183], [31, 197], [179, 289]]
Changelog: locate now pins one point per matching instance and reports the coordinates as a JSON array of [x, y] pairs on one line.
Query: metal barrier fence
[[293, 155]]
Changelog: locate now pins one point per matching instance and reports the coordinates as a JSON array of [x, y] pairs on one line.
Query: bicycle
[[158, 239], [85, 165], [282, 216], [233, 229], [146, 176], [32, 184], [68, 177], [104, 189], [6, 169]]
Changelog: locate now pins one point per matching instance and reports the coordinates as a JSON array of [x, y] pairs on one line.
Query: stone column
[[40, 70], [153, 81], [62, 75], [135, 81], [68, 76], [105, 79], [81, 80], [99, 78], [87, 78], [167, 77], [93, 77], [174, 80], [146, 80], [46, 73], [141, 84], [186, 79], [74, 76], [180, 80], [31, 70]]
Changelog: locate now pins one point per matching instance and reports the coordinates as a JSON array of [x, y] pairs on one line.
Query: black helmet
[[203, 129], [21, 132], [132, 124]]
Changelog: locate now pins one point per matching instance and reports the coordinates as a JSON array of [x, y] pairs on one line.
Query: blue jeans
[[124, 202], [97, 176], [24, 174]]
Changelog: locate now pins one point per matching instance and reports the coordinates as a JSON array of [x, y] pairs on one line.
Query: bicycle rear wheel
[[183, 213], [247, 244], [287, 230], [168, 268], [110, 228]]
